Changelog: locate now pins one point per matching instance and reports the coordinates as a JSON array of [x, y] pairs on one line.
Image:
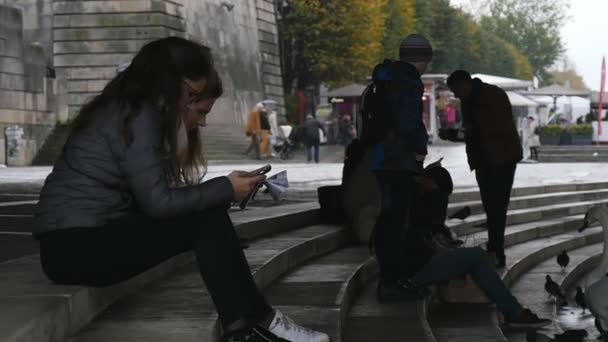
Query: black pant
[[495, 184], [397, 188], [103, 256]]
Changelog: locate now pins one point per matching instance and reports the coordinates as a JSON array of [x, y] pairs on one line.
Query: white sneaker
[[285, 327]]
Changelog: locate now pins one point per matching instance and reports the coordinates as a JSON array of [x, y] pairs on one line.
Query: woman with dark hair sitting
[[126, 192]]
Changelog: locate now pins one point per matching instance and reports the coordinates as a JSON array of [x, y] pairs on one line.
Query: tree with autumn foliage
[[400, 21], [330, 41]]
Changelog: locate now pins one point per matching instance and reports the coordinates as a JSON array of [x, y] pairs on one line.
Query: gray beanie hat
[[415, 48]]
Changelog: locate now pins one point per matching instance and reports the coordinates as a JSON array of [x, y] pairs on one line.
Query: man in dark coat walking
[[493, 149]]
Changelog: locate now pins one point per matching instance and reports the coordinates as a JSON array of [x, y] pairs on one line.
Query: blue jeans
[[473, 261], [309, 152]]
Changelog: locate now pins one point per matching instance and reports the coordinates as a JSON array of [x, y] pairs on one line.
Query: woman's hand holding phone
[[243, 183]]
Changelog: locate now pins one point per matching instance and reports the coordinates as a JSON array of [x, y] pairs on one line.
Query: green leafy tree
[[331, 41], [400, 21], [531, 26]]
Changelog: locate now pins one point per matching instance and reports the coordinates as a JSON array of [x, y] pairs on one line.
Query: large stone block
[[23, 117], [122, 6], [273, 89], [269, 48], [103, 46], [78, 99], [12, 81], [271, 69], [86, 73], [11, 65], [116, 33], [12, 99], [271, 58], [268, 27], [104, 60], [89, 86], [118, 20], [273, 80], [268, 37], [266, 16], [265, 5]]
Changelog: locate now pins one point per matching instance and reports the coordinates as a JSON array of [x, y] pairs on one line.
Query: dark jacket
[[408, 135], [99, 178], [490, 132], [311, 132]]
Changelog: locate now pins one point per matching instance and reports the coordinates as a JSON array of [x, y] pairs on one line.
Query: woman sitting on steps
[[125, 194]]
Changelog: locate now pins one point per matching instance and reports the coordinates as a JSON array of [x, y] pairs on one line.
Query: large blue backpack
[[374, 117]]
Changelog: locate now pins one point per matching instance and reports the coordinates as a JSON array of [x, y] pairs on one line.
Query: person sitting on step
[[126, 194], [432, 256]]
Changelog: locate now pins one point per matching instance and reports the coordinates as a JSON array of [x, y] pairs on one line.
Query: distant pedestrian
[[449, 116], [347, 130], [253, 130], [264, 134], [312, 138], [532, 140], [493, 150]]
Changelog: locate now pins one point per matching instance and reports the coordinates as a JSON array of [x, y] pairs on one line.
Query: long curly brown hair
[[154, 78]]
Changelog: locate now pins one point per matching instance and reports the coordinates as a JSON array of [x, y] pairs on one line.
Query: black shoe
[[398, 291], [528, 320], [501, 262], [256, 334]]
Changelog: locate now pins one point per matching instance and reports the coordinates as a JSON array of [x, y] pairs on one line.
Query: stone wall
[[270, 53], [27, 97], [92, 37], [79, 43]]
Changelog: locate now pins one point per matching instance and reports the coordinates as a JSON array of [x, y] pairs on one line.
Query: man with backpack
[[392, 127]]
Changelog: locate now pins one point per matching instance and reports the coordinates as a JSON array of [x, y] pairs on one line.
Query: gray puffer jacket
[[98, 178]]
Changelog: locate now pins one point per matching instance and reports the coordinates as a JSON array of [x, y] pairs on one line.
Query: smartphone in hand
[[261, 171]]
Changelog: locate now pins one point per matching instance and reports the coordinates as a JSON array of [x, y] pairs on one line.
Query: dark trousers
[[495, 184], [312, 149], [255, 146], [106, 255], [397, 189]]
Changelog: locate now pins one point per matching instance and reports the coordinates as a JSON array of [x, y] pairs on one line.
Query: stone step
[[526, 245], [521, 202], [573, 148], [572, 158], [370, 321], [35, 310], [17, 208], [571, 316], [324, 287], [525, 215], [181, 298], [473, 195], [530, 287]]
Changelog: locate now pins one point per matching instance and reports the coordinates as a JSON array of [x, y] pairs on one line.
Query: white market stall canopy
[[504, 82], [520, 101], [557, 90]]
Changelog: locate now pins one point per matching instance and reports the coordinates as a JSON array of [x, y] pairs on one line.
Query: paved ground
[[303, 176]]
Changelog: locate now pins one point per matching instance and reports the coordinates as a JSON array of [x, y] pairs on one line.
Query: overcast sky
[[585, 36]]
